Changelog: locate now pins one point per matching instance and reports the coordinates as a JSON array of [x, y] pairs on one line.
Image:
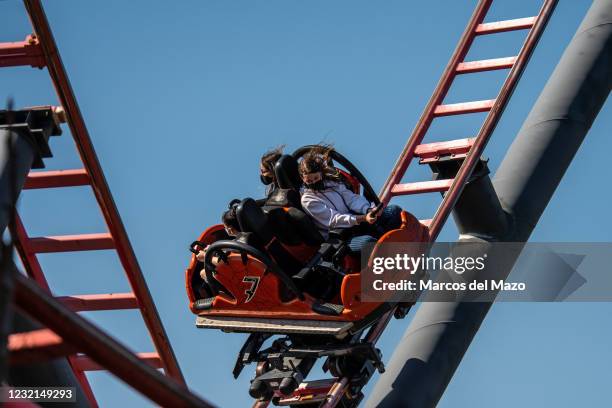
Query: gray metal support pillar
[[21, 148], [436, 340], [13, 170], [16, 157]]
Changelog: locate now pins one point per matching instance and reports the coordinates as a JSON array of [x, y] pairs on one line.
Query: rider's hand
[[371, 217], [200, 255]]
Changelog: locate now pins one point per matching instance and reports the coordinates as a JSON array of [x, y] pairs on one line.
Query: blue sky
[[181, 98]]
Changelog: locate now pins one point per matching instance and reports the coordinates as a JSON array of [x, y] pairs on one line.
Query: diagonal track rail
[[40, 50], [471, 149]]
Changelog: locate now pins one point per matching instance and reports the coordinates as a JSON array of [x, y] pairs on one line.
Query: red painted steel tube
[[85, 363], [21, 53], [37, 345], [110, 301], [506, 25], [450, 198], [101, 189], [101, 348], [71, 243], [399, 169], [485, 65], [436, 99], [417, 135], [421, 187], [437, 149], [34, 271], [27, 255], [56, 178], [464, 107], [338, 389], [336, 393]]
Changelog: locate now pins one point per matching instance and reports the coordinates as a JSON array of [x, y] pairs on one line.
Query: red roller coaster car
[[278, 276]]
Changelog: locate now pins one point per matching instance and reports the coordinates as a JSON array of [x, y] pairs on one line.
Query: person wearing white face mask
[[332, 205]]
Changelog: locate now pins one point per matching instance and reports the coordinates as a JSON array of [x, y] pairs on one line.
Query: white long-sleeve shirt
[[333, 207]]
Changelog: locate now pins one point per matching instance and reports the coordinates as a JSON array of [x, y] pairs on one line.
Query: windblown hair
[[269, 158], [319, 159], [229, 218]]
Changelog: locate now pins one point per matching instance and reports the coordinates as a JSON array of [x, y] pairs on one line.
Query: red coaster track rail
[[469, 150], [40, 50]]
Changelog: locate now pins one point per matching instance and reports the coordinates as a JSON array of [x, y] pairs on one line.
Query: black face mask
[[317, 185], [266, 179]]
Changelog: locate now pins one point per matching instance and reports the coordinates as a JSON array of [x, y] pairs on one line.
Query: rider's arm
[[356, 202], [201, 254], [325, 215]]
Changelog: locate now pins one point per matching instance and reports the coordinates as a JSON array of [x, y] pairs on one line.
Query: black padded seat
[[305, 227], [289, 223], [251, 218], [249, 238], [292, 226], [281, 226], [287, 174], [284, 197]]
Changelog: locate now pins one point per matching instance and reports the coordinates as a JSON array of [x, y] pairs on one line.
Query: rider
[[332, 205], [232, 228], [266, 170], [267, 177]]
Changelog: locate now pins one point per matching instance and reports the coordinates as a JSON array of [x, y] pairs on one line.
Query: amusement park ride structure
[[88, 348], [466, 151]]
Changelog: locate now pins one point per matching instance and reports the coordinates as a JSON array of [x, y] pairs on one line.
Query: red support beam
[[464, 107], [430, 152], [84, 363], [506, 25], [34, 271], [28, 52], [57, 178], [28, 257], [89, 303], [101, 189], [421, 187], [102, 348], [336, 393], [36, 346], [450, 198], [71, 243], [485, 65], [459, 54], [475, 27]]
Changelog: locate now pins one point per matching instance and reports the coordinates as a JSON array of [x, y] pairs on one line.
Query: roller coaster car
[[279, 276]]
